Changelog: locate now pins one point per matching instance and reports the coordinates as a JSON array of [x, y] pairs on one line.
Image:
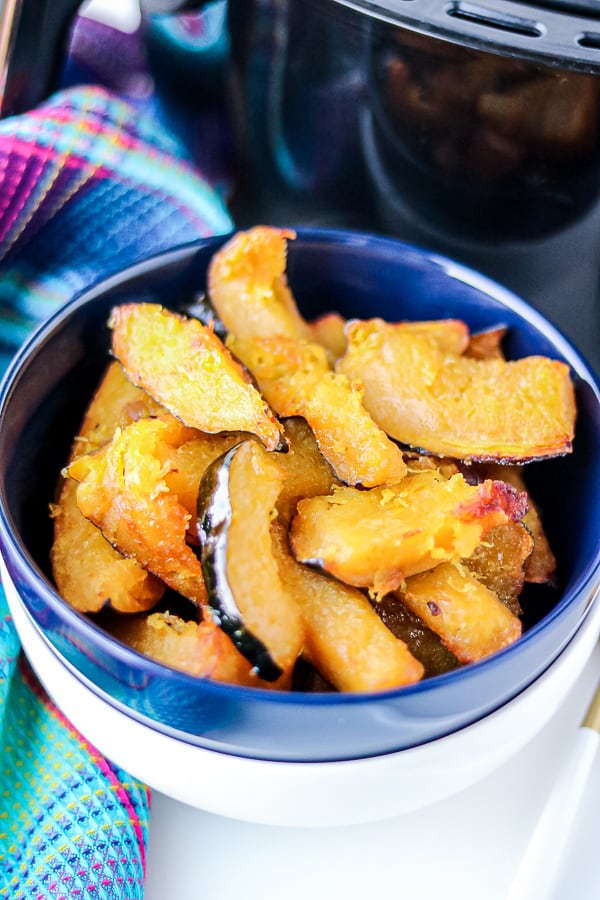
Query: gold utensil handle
[[592, 716], [9, 16]]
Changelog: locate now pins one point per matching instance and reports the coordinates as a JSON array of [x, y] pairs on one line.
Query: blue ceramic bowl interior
[[42, 401]]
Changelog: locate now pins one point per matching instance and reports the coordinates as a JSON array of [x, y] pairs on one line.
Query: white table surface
[[463, 848]]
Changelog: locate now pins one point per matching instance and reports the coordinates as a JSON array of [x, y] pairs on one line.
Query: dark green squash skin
[[202, 309], [213, 518]]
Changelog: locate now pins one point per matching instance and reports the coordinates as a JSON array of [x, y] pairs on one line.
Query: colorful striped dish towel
[[87, 187]]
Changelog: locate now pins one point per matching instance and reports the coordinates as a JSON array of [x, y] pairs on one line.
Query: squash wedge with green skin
[[376, 538], [424, 644], [449, 404], [247, 597], [183, 364]]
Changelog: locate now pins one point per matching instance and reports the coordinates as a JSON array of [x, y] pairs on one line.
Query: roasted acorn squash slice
[[248, 599], [248, 287], [500, 561], [540, 565], [296, 380], [375, 539], [88, 572], [449, 404], [469, 618], [123, 490], [423, 643], [345, 639], [183, 364]]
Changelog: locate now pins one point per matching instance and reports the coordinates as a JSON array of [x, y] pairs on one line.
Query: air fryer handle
[[160, 7], [34, 37], [33, 44]]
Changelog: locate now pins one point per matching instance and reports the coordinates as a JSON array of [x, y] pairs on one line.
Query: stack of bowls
[[292, 757]]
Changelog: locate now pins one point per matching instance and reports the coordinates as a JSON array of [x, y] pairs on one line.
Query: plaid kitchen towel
[[87, 187], [89, 184]]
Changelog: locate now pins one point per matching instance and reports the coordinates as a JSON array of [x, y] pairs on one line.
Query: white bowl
[[303, 794]]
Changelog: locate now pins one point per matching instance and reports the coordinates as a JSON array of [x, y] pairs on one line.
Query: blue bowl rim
[[587, 581]]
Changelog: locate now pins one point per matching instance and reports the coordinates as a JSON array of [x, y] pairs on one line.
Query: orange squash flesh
[[469, 618], [452, 405], [184, 365], [270, 610], [345, 640], [88, 572], [296, 380], [307, 472], [449, 335], [188, 463], [375, 539], [248, 287], [123, 491], [200, 649], [329, 331]]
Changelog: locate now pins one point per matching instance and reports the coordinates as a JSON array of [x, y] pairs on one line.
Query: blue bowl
[[42, 400]]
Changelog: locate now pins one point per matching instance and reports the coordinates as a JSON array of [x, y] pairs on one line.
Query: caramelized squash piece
[[540, 565], [307, 472], [345, 639], [329, 331], [375, 539], [452, 405], [449, 335], [499, 562], [469, 618], [486, 344], [248, 599], [123, 490], [424, 644], [248, 287], [88, 572], [187, 465], [117, 402], [200, 649], [184, 365], [296, 380]]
